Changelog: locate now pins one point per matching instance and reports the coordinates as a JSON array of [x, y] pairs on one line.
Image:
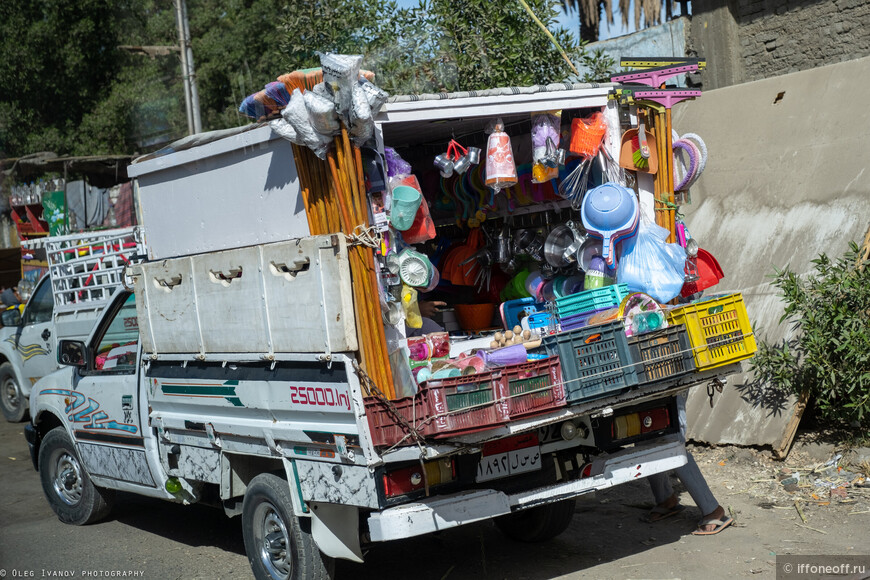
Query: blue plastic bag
[[651, 265]]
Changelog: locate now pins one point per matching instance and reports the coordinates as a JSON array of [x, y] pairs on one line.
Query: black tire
[[12, 402], [278, 545], [537, 524], [67, 486]]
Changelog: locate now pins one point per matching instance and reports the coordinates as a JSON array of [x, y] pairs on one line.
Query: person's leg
[[662, 491], [697, 487]]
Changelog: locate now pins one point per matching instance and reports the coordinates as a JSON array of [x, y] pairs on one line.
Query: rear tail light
[[635, 424], [415, 478]]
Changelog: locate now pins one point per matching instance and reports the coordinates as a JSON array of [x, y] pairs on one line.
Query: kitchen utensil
[[444, 165], [610, 212], [560, 239], [475, 316], [591, 247], [406, 202], [415, 269], [709, 272]]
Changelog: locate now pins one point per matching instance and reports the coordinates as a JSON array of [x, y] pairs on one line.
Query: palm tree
[[647, 11]]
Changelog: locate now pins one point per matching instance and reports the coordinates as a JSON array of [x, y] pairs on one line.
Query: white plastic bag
[[321, 114], [341, 73], [362, 125], [285, 129], [296, 114], [650, 265]]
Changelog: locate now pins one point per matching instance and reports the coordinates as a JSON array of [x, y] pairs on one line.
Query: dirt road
[[156, 540]]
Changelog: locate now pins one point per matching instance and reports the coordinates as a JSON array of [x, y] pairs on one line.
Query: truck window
[[41, 306], [116, 348]]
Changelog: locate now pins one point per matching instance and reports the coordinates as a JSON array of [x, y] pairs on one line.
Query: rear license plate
[[507, 457]]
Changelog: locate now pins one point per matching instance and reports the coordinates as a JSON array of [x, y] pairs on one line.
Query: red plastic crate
[[466, 404], [534, 387], [386, 429]]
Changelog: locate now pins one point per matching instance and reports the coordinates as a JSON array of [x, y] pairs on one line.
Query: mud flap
[[336, 530]]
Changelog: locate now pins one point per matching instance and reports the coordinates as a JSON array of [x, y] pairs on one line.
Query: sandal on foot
[[660, 513], [719, 526]]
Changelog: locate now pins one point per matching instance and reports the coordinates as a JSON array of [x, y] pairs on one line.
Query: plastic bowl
[[475, 316]]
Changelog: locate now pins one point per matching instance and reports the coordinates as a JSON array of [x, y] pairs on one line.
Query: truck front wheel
[[537, 524], [12, 402], [67, 486], [277, 543]]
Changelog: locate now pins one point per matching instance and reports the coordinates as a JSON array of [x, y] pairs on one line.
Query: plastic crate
[[465, 404], [541, 320], [386, 429], [719, 330], [595, 360], [661, 354], [606, 297], [513, 311], [534, 387]]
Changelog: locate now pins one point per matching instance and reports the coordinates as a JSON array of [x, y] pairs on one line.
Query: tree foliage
[[67, 87], [829, 360]]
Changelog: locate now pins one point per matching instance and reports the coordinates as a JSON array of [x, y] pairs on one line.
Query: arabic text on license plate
[[498, 464]]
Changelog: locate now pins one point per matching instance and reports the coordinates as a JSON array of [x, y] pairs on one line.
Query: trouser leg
[[697, 486], [661, 488]]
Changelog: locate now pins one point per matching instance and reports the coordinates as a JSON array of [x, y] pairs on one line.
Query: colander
[[610, 212]]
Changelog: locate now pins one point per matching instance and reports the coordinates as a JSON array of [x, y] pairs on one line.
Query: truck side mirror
[[72, 353], [11, 317]]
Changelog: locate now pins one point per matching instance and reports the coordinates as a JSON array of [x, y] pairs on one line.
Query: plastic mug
[[406, 202]]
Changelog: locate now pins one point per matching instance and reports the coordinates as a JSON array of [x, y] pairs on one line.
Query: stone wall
[[770, 38]]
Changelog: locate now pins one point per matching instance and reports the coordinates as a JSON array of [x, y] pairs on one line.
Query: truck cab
[[27, 350], [84, 271]]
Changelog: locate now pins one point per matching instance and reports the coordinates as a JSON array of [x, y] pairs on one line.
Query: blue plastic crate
[[595, 360], [606, 297], [513, 311], [541, 319]]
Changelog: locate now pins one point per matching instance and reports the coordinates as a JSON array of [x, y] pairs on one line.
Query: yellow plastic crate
[[719, 330]]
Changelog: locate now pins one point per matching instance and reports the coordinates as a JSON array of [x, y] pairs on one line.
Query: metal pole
[[179, 13], [191, 74]]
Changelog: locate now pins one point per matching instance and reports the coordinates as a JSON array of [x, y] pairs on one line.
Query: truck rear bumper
[[450, 511]]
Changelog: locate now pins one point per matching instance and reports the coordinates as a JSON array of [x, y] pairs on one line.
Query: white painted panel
[[165, 305], [229, 298], [318, 270], [240, 191]]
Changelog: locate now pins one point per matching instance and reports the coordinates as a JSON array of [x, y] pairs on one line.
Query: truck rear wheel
[[278, 545], [67, 486], [537, 524], [12, 402]]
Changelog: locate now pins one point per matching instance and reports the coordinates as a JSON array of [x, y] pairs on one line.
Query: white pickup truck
[[228, 374], [84, 270]]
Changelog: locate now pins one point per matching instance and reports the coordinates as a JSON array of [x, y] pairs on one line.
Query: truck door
[[35, 340], [106, 413]]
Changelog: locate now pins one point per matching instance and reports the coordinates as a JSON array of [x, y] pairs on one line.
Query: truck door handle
[[46, 334]]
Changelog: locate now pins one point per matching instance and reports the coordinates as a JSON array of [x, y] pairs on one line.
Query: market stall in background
[[55, 196]]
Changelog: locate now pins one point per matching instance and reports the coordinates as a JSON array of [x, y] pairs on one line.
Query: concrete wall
[[788, 177], [668, 39], [746, 40]]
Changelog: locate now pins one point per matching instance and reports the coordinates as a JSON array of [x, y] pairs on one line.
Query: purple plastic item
[[395, 164], [579, 320], [509, 355]]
